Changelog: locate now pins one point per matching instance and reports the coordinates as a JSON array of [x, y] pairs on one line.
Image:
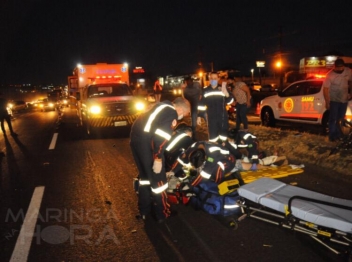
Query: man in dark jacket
[[213, 101], [4, 116], [192, 92], [149, 135]]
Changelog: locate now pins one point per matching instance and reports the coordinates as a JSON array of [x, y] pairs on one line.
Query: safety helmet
[[197, 157]]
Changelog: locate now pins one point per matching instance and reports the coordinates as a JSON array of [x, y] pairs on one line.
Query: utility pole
[[280, 59]]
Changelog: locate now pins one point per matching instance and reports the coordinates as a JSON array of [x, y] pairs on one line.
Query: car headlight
[[140, 106], [95, 109], [51, 105]]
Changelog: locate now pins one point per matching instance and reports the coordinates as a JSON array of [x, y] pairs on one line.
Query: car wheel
[[267, 117]]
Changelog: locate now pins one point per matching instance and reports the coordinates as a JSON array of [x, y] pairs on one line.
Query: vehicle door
[[313, 103], [290, 101]]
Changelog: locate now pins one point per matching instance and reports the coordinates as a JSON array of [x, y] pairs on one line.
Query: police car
[[301, 102]]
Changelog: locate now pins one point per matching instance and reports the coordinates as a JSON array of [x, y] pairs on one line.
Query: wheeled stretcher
[[326, 219]]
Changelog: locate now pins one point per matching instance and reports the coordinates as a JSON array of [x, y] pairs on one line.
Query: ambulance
[[103, 97], [301, 102]]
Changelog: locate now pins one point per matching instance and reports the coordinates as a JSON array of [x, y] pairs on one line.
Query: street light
[[279, 66], [252, 71]]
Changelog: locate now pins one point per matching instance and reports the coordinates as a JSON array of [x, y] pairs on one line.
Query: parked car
[[268, 88], [301, 102], [254, 86], [17, 105]]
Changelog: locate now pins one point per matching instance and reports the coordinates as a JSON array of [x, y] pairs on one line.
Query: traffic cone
[[257, 111]]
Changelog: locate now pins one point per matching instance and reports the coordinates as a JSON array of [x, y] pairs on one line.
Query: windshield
[[106, 90]]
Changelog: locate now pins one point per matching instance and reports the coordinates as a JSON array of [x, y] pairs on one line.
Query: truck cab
[[104, 99]]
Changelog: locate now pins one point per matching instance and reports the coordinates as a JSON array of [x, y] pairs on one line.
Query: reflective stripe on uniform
[[242, 146], [144, 182], [222, 166], [205, 174], [223, 138], [214, 139], [153, 116], [176, 140], [248, 135], [184, 163], [229, 103], [216, 148], [160, 189], [214, 93], [202, 108], [163, 134]]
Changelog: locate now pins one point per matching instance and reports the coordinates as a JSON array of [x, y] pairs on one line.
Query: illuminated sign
[[288, 105], [307, 103], [260, 63], [138, 70], [308, 99], [315, 63]]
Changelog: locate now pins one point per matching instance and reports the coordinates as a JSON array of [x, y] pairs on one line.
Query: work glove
[[199, 121], [157, 166]]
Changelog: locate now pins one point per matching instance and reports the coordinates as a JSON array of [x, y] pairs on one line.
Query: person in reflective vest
[[246, 140], [213, 102], [211, 160], [179, 142], [148, 138]]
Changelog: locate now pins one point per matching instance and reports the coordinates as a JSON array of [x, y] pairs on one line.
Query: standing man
[[192, 92], [243, 102], [337, 91], [4, 116], [149, 135], [213, 102], [157, 90]]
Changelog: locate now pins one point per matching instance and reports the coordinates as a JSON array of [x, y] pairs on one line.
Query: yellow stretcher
[[250, 176]]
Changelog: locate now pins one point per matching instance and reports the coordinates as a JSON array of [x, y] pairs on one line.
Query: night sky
[[43, 40]]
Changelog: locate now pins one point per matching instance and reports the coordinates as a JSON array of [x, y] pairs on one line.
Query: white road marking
[[53, 141], [24, 240]]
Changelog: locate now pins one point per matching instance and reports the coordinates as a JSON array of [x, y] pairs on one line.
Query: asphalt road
[[87, 207]]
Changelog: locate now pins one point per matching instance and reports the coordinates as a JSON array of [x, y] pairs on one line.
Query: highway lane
[[88, 207]]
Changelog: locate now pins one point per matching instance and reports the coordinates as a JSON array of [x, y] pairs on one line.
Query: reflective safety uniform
[[178, 143], [217, 161], [214, 102], [149, 136], [249, 142]]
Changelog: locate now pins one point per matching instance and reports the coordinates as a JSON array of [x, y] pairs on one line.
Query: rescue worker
[[179, 142], [246, 140], [244, 145], [211, 160], [149, 135], [213, 102]]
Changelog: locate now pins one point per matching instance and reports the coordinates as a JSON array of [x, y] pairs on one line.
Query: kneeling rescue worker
[[149, 135]]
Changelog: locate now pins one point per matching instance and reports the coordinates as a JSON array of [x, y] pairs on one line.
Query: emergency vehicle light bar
[[104, 77]]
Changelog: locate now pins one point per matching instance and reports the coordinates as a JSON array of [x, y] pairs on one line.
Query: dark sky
[[43, 40]]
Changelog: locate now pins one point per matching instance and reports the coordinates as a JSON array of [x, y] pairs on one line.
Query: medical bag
[[208, 198]]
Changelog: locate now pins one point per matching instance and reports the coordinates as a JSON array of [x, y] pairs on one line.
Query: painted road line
[[24, 240], [53, 141]]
